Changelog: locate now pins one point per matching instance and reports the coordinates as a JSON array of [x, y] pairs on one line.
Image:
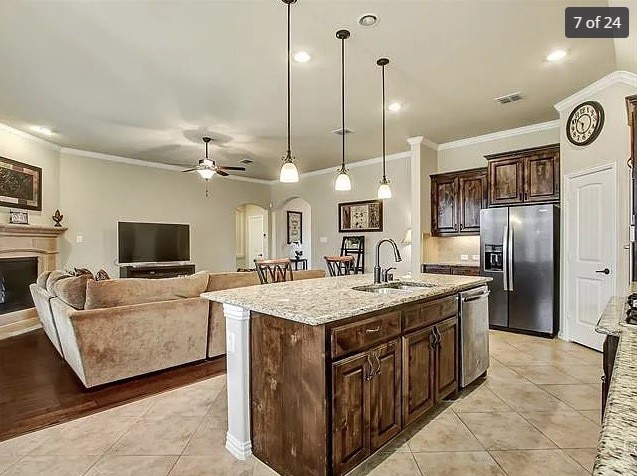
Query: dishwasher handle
[[475, 297]]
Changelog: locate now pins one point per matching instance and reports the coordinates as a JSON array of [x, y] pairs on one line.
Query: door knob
[[603, 271]]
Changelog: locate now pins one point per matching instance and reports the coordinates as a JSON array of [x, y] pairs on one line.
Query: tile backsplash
[[449, 249]]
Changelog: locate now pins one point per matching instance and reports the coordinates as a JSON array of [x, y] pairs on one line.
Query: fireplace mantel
[[12, 229], [24, 241]]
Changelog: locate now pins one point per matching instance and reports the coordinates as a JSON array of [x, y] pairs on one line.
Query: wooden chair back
[[339, 265], [274, 270]]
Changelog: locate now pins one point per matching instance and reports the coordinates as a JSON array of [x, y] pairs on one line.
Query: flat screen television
[[152, 242]]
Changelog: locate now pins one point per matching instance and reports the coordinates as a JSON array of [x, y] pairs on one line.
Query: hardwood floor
[[38, 388]]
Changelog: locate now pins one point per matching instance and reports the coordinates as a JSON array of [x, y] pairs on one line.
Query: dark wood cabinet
[[456, 200], [418, 373], [446, 358], [351, 412], [436, 269], [458, 270], [386, 421], [524, 176]]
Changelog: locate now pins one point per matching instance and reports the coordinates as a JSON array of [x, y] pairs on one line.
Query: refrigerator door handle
[[510, 259], [505, 257]]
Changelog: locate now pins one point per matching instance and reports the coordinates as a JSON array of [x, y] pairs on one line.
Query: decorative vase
[[57, 218]]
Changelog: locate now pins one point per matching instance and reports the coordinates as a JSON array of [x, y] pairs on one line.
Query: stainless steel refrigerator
[[519, 249]]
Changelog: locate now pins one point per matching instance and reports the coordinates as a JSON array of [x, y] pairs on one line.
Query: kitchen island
[[321, 373]]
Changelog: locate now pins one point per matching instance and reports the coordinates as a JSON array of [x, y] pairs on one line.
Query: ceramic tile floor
[[536, 413]]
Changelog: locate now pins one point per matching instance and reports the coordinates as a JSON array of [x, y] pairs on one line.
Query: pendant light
[[289, 172], [383, 190], [343, 183]]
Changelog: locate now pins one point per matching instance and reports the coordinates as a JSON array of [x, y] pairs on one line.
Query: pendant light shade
[[207, 172], [343, 183], [289, 172], [383, 191]]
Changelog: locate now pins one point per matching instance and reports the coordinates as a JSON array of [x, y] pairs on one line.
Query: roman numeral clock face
[[585, 123]]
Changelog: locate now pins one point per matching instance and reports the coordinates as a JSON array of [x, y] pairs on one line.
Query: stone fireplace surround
[[22, 241]]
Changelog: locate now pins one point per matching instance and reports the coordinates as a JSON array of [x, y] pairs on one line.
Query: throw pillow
[[101, 275], [41, 281], [73, 290], [54, 277]]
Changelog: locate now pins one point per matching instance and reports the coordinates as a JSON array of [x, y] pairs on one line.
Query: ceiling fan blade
[[226, 167], [222, 173], [191, 170]]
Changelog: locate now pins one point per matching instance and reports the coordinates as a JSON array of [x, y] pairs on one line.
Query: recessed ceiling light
[[302, 57], [368, 20], [394, 106], [556, 55], [43, 130]]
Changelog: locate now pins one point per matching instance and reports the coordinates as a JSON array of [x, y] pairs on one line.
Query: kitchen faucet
[[377, 269]]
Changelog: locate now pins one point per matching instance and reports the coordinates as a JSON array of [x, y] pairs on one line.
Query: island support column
[[238, 380]]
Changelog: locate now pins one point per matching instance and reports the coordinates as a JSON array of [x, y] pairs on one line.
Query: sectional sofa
[[116, 329]]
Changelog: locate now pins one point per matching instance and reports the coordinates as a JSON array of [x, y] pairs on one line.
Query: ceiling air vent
[[339, 131], [509, 98], [246, 161]]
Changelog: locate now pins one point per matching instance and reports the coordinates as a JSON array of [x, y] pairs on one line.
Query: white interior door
[[255, 238], [591, 251]]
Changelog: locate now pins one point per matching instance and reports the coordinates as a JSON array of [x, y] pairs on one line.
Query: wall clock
[[585, 123]]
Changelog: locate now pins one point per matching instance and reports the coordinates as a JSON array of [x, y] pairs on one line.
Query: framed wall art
[[366, 215], [18, 218], [295, 227], [20, 185]]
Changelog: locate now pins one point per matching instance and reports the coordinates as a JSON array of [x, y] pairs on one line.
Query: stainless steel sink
[[396, 287]]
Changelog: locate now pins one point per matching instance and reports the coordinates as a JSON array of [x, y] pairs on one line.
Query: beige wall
[[96, 194], [472, 156], [612, 146], [318, 191], [16, 146]]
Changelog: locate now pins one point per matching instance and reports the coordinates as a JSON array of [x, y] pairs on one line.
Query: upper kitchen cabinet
[[524, 176], [456, 200]]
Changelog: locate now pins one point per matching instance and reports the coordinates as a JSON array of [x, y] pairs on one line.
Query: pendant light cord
[[384, 175], [289, 41], [343, 99]]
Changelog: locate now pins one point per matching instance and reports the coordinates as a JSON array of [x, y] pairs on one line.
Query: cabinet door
[[506, 181], [350, 412], [444, 205], [472, 200], [447, 358], [418, 374], [385, 393], [542, 177]]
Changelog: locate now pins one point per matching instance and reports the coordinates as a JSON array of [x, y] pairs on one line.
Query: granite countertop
[[323, 300], [471, 264], [617, 448]]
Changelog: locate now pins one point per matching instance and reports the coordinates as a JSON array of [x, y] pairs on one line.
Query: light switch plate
[[79, 239], [323, 239], [475, 257], [464, 257]]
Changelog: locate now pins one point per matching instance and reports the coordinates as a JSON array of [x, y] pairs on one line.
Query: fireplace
[[16, 274]]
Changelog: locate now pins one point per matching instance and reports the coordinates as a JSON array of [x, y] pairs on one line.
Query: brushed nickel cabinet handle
[[379, 365], [370, 374]]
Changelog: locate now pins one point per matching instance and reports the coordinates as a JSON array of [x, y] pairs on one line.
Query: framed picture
[[20, 185], [360, 216], [18, 218], [295, 227]]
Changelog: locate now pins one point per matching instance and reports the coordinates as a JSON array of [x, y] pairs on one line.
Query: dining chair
[[339, 265], [274, 270]]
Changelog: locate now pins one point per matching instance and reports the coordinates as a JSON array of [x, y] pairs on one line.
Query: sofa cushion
[[54, 277], [41, 281], [124, 292], [72, 290], [221, 281]]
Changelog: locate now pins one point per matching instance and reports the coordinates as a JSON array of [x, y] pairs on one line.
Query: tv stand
[[156, 270]]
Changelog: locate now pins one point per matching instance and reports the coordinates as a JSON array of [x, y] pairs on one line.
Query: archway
[[280, 246], [251, 235]]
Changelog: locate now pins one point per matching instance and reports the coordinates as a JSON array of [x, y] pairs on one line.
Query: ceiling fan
[[207, 167]]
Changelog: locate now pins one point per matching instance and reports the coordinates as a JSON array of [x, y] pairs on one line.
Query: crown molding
[[353, 165], [144, 163], [32, 138], [616, 77], [518, 131]]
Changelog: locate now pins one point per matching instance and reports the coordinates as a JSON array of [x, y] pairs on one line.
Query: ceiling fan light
[[384, 191], [343, 183], [289, 172], [206, 174]]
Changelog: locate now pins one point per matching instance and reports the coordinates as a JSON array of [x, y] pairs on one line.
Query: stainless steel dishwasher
[[474, 334]]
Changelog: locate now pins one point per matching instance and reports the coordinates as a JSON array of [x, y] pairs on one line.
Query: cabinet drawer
[[436, 269], [430, 313], [466, 270], [359, 335]]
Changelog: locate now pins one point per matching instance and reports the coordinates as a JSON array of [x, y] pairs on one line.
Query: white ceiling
[[147, 79]]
